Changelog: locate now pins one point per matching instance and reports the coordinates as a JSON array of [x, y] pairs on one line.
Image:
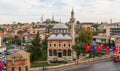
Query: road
[[101, 65]]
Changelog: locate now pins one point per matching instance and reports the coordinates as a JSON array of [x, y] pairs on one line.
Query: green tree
[[16, 40], [36, 48], [85, 37], [8, 40], [44, 42], [77, 50]]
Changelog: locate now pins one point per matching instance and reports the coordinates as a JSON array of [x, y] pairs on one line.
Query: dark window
[[50, 52], [54, 45], [69, 45], [19, 68], [55, 53], [69, 52], [59, 45], [64, 53], [64, 45], [50, 45], [26, 68], [13, 69]]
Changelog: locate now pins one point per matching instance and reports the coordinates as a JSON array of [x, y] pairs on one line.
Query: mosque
[[61, 40]]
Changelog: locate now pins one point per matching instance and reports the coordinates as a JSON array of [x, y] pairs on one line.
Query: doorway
[[59, 54]]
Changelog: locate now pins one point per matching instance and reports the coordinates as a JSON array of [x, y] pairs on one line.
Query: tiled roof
[[19, 55], [59, 37]]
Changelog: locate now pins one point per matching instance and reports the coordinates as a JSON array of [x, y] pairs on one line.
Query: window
[[26, 68], [64, 53], [13, 69], [69, 52], [50, 45], [54, 45], [19, 68], [69, 45], [59, 45], [55, 53], [64, 45], [50, 52]]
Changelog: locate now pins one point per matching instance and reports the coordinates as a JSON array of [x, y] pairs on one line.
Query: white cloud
[[85, 10]]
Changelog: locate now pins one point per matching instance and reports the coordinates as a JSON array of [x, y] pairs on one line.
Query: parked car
[[116, 58]]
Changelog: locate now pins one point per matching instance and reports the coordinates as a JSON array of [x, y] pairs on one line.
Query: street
[[101, 65]]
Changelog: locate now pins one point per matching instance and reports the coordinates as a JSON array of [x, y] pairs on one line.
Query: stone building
[[61, 40], [18, 61]]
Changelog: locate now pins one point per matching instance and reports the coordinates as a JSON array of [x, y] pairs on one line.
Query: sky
[[85, 10]]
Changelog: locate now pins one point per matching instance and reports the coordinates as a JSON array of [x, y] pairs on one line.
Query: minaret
[[42, 19], [72, 21], [60, 21], [52, 17]]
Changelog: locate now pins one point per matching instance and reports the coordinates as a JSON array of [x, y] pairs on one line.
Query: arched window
[[68, 45], [55, 53], [19, 68], [50, 45], [64, 45], [59, 45], [64, 52], [54, 45], [69, 52], [50, 52]]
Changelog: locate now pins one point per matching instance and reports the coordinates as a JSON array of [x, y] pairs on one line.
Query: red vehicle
[[116, 58]]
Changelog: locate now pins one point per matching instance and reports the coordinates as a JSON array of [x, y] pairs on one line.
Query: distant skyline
[[85, 10]]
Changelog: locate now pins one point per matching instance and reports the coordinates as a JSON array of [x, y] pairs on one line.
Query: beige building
[[18, 61], [100, 39], [59, 47], [117, 41]]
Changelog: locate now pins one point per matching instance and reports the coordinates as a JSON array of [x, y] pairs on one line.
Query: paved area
[[101, 65]]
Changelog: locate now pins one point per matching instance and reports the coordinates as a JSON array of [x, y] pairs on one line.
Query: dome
[[67, 37], [59, 37], [48, 20], [52, 37]]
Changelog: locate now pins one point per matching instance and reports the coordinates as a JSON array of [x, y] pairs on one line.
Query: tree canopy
[[36, 48], [85, 37]]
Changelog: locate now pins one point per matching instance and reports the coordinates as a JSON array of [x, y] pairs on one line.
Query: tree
[[36, 48], [8, 40], [16, 40], [44, 42], [85, 37], [77, 50]]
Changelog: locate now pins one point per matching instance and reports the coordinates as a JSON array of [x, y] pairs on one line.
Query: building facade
[[18, 61], [59, 47]]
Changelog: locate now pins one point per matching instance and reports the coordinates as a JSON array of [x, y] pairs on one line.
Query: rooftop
[[19, 55], [59, 37], [56, 26]]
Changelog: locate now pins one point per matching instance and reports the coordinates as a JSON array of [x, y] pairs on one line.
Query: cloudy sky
[[85, 10]]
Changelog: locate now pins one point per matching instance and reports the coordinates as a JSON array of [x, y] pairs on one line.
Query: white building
[[2, 49]]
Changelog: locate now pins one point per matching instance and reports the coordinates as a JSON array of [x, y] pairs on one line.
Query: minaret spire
[[42, 19], [52, 17], [72, 21]]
